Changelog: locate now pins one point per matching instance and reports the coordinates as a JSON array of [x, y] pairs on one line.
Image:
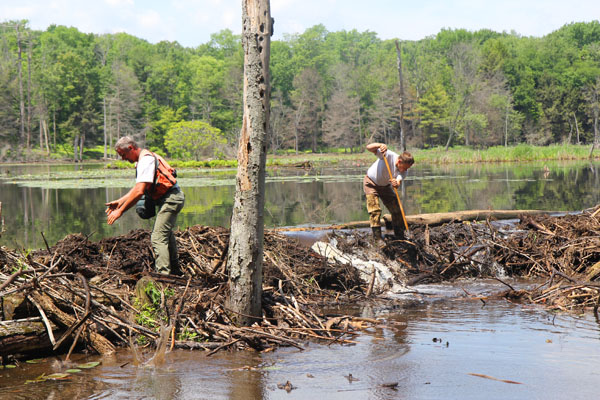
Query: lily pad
[[10, 366], [89, 365], [41, 378], [73, 370], [271, 368], [58, 376], [34, 361]]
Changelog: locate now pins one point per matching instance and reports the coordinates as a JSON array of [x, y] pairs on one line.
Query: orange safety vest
[[164, 178]]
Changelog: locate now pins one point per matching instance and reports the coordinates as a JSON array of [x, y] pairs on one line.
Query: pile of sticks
[[565, 252], [561, 252], [85, 292]]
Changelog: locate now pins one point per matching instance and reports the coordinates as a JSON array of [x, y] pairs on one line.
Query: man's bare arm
[[117, 208], [373, 147]]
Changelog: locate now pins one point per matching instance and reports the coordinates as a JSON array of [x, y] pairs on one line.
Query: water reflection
[[553, 356], [157, 383], [321, 196]]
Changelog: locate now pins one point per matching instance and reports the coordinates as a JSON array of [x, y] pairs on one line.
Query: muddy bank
[[84, 295]]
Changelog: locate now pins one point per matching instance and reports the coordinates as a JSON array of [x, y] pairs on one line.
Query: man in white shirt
[[154, 178], [378, 183]]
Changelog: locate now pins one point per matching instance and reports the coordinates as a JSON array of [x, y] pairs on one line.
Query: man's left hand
[[111, 206], [113, 216]]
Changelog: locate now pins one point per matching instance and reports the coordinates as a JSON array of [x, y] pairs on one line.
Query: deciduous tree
[[194, 139]]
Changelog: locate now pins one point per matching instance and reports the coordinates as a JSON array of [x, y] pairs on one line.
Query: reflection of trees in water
[[210, 205], [59, 212], [55, 212], [509, 186], [293, 203], [565, 190]]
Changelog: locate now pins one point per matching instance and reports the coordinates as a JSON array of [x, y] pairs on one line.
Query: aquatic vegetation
[[89, 365], [59, 375]]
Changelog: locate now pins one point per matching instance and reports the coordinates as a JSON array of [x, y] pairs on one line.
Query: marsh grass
[[454, 155], [341, 157], [522, 152]]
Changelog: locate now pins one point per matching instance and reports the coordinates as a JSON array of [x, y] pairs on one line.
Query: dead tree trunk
[[576, 128], [29, 51], [244, 260], [506, 126], [400, 79], [54, 129], [25, 336], [21, 96], [104, 130], [76, 148], [46, 134]]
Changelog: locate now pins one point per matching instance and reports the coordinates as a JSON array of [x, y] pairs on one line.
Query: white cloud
[[116, 29], [232, 20], [17, 12], [191, 22], [118, 3], [282, 5], [149, 19]]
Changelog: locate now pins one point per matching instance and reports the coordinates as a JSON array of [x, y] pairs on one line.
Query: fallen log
[[98, 342], [433, 219], [24, 336]]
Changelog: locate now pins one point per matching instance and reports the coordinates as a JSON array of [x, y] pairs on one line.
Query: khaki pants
[[163, 238], [387, 195]]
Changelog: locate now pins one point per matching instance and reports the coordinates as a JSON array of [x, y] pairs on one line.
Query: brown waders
[[387, 195]]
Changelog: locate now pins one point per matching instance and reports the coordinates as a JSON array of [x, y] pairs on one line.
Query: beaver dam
[[81, 295]]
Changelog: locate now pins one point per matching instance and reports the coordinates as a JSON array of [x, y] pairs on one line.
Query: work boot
[[399, 232], [376, 233], [388, 222]]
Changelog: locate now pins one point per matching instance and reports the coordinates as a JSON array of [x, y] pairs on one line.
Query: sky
[[191, 22]]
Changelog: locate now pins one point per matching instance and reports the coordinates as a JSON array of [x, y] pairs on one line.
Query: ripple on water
[[553, 356]]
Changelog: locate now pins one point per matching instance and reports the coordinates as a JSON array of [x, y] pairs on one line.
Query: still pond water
[[550, 356], [60, 200]]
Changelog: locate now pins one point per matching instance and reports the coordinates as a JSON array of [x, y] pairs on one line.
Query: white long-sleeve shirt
[[378, 172]]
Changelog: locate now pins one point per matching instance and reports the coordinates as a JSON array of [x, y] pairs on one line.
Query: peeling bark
[[401, 86], [244, 260]]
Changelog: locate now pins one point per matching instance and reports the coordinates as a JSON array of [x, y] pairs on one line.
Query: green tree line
[[64, 89]]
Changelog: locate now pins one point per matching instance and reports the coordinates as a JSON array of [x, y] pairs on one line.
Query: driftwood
[[434, 219], [23, 336], [470, 215], [98, 342]]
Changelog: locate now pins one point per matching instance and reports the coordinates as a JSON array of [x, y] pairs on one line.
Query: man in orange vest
[[154, 178]]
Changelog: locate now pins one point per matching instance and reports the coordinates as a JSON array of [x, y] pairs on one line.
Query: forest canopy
[[61, 88]]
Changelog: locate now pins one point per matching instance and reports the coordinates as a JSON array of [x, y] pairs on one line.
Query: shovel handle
[[397, 196]]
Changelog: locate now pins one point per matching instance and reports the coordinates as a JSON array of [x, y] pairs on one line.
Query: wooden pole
[[397, 196]]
